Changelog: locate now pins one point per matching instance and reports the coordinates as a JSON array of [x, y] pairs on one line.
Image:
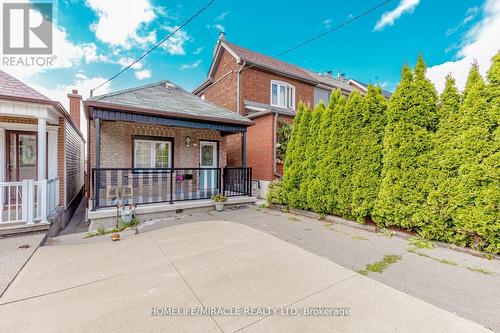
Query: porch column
[[97, 183], [3, 158], [42, 148], [244, 149], [52, 154]]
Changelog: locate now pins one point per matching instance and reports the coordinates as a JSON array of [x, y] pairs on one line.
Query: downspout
[[275, 137], [238, 86]]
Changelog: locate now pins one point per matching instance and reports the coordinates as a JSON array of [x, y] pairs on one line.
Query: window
[[282, 94], [152, 153]]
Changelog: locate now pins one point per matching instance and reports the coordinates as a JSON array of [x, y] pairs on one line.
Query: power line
[[155, 46], [341, 25]]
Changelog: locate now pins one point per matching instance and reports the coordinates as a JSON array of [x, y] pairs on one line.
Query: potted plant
[[219, 200]]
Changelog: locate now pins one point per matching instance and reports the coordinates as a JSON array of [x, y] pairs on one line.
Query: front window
[[282, 94], [151, 153]]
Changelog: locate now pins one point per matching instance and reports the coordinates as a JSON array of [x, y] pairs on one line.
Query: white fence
[[28, 201]]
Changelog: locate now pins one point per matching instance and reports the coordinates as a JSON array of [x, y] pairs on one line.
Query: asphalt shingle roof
[[166, 97], [12, 87]]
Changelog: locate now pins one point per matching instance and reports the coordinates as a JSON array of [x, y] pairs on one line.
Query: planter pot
[[219, 206], [115, 237]]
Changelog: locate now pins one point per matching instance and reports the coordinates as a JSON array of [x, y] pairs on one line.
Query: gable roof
[[168, 100], [363, 86], [12, 88]]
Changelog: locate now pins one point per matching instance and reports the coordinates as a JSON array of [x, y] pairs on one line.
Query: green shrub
[[275, 194]]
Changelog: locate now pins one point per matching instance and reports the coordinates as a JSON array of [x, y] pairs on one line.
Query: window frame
[[289, 97], [153, 140]]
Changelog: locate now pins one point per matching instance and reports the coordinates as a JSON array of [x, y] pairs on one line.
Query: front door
[[209, 181], [21, 156], [21, 164]]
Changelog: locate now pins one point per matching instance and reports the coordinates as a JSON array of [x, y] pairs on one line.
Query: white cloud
[[327, 23], [143, 74], [175, 44], [221, 16], [189, 66], [388, 18], [469, 16], [198, 50], [219, 27], [480, 43], [118, 23], [125, 61]]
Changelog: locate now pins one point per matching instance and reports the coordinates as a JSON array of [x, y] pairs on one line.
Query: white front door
[[209, 181]]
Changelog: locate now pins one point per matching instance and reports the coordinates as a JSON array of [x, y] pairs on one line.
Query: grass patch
[[442, 261], [258, 209], [480, 270], [101, 230], [327, 225], [380, 266], [447, 262], [357, 237], [321, 217], [293, 218], [264, 205], [421, 243]]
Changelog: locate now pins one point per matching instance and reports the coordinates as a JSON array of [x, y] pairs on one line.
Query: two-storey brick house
[[267, 91]]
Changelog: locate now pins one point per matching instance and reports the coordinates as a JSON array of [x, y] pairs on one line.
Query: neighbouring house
[[42, 159], [267, 91], [163, 149]]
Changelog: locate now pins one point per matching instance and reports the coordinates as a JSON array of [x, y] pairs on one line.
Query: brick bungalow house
[[267, 91], [162, 148], [41, 159]]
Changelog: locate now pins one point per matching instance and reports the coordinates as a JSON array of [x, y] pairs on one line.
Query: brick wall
[[223, 92], [18, 120], [116, 143], [256, 87]]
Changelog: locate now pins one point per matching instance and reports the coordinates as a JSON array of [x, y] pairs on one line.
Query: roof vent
[[222, 35], [169, 85]]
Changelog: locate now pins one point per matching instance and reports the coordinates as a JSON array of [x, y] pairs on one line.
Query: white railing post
[[42, 201], [56, 203], [2, 189], [24, 200], [29, 202]]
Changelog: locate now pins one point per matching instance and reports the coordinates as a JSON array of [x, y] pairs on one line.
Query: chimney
[[74, 107], [329, 74]]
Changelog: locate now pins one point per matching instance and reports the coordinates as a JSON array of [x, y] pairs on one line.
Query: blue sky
[[94, 39]]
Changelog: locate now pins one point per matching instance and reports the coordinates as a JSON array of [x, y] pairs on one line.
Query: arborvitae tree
[[312, 155], [297, 170], [333, 163], [349, 131], [290, 180], [445, 163], [319, 191], [408, 141], [476, 195], [366, 176]]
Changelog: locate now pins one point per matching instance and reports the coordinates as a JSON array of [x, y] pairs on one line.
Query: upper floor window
[[282, 94]]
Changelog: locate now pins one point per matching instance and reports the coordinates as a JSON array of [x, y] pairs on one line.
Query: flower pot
[[219, 206], [115, 237]]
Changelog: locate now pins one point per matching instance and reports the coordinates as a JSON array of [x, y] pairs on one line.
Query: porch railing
[[28, 201], [111, 186], [237, 182]]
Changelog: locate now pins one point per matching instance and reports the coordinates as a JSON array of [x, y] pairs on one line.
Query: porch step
[[22, 229]]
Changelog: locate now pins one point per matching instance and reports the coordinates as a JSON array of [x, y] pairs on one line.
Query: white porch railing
[[28, 201]]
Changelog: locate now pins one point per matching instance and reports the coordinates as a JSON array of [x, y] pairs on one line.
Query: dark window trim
[[152, 138], [218, 151]]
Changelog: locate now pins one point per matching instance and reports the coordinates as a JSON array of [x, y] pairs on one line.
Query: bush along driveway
[[458, 282]]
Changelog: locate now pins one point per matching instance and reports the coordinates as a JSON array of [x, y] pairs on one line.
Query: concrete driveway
[[104, 286]]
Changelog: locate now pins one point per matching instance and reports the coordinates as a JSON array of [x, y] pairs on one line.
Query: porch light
[[188, 141]]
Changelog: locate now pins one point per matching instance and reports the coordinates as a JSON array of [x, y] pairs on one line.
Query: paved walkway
[[460, 283], [103, 286], [14, 253], [77, 224]]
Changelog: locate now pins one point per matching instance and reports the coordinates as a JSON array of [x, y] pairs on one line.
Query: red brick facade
[[255, 86]]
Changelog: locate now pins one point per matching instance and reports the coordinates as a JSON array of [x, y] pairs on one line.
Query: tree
[[476, 196], [445, 162], [408, 142], [318, 193], [366, 177], [312, 156], [295, 165], [350, 124]]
